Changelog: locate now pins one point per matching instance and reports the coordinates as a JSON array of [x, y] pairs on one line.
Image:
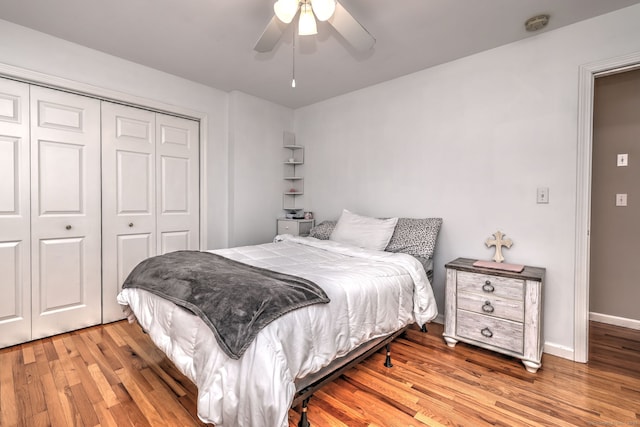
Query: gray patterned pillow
[[323, 230], [415, 237]]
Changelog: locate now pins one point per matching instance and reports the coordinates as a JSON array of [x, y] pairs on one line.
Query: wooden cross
[[498, 242]]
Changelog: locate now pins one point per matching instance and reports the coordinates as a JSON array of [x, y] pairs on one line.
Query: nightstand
[[297, 227], [495, 309]]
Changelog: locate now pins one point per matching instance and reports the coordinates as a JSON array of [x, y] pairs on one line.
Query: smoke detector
[[536, 23]]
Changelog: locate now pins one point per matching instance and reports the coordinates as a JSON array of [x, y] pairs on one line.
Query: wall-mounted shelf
[[293, 182]]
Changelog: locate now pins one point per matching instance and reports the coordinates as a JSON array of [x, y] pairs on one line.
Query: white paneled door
[[177, 178], [128, 198], [15, 240], [65, 212], [150, 193]]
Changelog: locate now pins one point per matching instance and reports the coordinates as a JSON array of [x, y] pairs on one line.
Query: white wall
[[35, 51], [255, 167], [470, 141]]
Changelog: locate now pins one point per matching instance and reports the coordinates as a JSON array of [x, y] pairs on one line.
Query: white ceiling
[[211, 41]]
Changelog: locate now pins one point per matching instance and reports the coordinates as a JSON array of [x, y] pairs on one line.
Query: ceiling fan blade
[[351, 29], [271, 35]]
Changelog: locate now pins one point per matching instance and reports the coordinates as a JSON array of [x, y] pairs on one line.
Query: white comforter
[[372, 294]]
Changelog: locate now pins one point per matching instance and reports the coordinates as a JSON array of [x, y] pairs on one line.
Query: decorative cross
[[498, 242]]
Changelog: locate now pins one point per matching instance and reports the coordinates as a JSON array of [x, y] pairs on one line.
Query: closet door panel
[[60, 274], [132, 248], [128, 198], [174, 241], [174, 172], [9, 173], [134, 184], [65, 211], [12, 286], [15, 241], [60, 178], [178, 183]]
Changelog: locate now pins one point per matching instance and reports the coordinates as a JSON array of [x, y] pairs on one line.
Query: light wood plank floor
[[113, 375]]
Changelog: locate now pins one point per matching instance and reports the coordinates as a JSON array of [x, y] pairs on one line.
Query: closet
[[150, 202], [50, 212], [88, 188]]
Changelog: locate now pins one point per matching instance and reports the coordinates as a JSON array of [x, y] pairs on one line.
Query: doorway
[[587, 75], [615, 207]]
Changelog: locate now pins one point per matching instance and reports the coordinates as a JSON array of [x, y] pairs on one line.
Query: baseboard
[[568, 353], [614, 320], [439, 319], [558, 350]]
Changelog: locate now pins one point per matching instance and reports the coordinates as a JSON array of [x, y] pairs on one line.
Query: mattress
[[373, 293]]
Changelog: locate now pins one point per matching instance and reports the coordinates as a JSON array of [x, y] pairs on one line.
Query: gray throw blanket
[[235, 300]]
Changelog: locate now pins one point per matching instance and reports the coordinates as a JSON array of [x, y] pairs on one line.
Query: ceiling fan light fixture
[[285, 10], [323, 9], [307, 24]]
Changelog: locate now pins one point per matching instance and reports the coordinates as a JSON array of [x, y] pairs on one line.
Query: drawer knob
[[68, 227], [486, 332], [488, 287], [487, 307]]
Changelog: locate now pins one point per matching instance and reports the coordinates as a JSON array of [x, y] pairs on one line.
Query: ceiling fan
[[310, 10]]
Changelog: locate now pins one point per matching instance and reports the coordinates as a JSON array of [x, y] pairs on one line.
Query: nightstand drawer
[[297, 227], [489, 330], [485, 284], [288, 227], [491, 305]]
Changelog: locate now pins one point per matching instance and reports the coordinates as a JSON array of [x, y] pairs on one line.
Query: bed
[[374, 295]]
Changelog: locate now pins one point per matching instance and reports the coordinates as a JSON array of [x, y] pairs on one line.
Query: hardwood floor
[[113, 375], [614, 349]]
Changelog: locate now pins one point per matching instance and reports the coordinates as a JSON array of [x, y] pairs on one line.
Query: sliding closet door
[[15, 240], [65, 211], [177, 178], [128, 199]]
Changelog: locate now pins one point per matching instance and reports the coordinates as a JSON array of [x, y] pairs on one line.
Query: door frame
[[587, 76], [42, 79]]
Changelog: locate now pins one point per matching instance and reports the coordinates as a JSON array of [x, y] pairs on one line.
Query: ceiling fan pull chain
[[293, 59]]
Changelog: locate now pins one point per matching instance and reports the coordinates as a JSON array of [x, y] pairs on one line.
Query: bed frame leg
[[387, 361], [424, 328], [304, 422]]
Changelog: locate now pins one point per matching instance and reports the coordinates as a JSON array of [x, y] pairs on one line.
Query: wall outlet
[[542, 195], [623, 160], [621, 199]]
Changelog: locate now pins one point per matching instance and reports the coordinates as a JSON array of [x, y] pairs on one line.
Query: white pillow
[[362, 231]]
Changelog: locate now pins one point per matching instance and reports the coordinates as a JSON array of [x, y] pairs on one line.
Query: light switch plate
[[623, 160], [542, 195], [621, 199]]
